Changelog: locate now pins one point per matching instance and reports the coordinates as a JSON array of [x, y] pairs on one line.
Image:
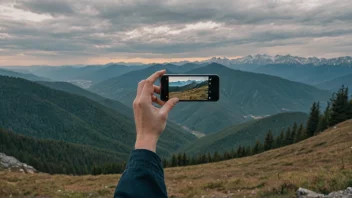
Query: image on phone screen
[[189, 87]]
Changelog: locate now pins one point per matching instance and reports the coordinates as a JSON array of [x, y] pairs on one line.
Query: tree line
[[338, 109], [59, 157]]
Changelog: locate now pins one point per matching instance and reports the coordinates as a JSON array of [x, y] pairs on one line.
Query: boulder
[[12, 164], [304, 193]]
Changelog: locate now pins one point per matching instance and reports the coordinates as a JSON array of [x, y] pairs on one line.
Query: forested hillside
[[37, 111], [245, 134], [53, 156], [336, 83]]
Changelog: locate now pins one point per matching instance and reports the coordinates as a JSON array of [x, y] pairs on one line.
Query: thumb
[[168, 106]]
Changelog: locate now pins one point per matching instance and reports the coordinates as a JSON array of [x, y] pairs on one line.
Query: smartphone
[[190, 87]]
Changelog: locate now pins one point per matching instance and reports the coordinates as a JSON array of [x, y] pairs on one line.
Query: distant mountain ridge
[[28, 76], [281, 59], [183, 83]]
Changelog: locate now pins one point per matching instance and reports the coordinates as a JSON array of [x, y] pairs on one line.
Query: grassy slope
[[245, 134], [199, 93], [321, 163]]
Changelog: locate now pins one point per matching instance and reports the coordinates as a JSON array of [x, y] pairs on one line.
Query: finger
[[140, 88], [155, 76], [157, 100], [148, 88], [168, 106], [156, 89]]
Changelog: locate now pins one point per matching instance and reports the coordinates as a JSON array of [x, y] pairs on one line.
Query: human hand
[[150, 120]]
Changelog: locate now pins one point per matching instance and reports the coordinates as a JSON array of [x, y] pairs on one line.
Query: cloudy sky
[[55, 32]]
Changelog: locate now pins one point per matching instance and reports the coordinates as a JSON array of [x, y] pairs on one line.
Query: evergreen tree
[[227, 155], [239, 151], [209, 159], [243, 154], [269, 141], [299, 134], [350, 110], [179, 160], [233, 153], [280, 140], [294, 132], [165, 163], [216, 157], [184, 160], [313, 120], [203, 158], [174, 161], [288, 136], [324, 119], [258, 147], [339, 106]]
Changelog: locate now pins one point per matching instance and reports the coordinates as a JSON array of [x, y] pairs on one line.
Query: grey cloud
[[162, 28], [52, 7]]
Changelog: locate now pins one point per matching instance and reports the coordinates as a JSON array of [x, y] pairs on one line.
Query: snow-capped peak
[[264, 59]]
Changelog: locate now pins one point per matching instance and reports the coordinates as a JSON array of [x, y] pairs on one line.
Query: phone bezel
[[214, 88]]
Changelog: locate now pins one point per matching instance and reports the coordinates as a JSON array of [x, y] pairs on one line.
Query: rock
[[12, 164], [304, 193]]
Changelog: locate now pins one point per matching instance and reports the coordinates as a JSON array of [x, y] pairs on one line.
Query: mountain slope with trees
[[243, 95], [28, 76], [309, 74], [245, 134], [336, 83], [38, 111], [59, 157]]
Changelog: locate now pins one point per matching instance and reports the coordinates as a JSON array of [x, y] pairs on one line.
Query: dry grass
[[322, 163], [200, 93]]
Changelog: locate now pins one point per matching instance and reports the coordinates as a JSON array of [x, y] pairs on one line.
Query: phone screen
[[189, 87]]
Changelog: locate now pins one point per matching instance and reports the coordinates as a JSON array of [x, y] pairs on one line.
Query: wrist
[[146, 142]]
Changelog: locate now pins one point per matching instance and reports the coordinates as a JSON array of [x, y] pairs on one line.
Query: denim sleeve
[[143, 177]]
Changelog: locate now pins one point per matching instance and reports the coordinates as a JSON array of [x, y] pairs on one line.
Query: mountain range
[[182, 83], [281, 59], [242, 96]]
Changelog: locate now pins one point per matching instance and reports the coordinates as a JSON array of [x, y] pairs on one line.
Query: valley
[[276, 173]]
